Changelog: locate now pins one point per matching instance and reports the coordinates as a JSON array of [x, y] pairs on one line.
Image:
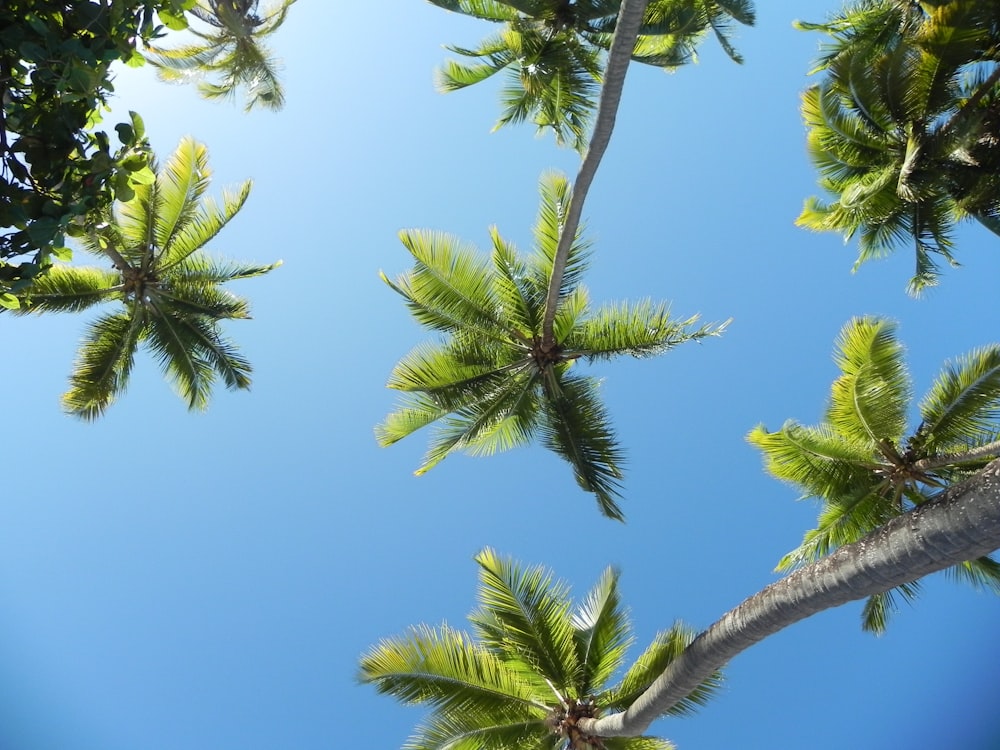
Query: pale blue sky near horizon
[[207, 581]]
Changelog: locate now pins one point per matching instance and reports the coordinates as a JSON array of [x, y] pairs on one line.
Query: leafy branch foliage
[[55, 169]]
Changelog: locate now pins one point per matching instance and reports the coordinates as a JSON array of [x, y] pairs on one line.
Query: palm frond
[[637, 743], [180, 184], [639, 329], [496, 419], [455, 731], [602, 632], [666, 646], [70, 289], [983, 573], [576, 427], [449, 287], [520, 301], [178, 351], [417, 410], [444, 668], [962, 403], [524, 617], [487, 10], [868, 402], [103, 363], [203, 224], [556, 194], [817, 461], [880, 607]]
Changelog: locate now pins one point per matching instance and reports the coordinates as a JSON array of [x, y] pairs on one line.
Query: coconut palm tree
[[230, 49], [552, 52], [168, 291], [531, 670], [489, 385], [905, 127], [864, 465], [960, 524]]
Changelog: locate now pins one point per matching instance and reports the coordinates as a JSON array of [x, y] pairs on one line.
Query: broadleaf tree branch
[[630, 17], [962, 523]]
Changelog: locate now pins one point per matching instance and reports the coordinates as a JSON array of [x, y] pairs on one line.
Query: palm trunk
[[630, 17], [961, 524]]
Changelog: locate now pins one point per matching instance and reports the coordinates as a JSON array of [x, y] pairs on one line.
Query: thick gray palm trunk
[[961, 524], [622, 44]]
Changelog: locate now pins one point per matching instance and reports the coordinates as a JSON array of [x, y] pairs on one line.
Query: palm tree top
[[168, 290], [494, 381], [532, 669], [865, 465]]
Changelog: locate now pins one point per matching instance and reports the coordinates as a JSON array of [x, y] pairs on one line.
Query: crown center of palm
[[565, 719], [137, 283]]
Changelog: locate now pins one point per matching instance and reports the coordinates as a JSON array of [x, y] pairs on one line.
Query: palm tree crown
[[905, 127], [231, 48], [532, 669], [492, 384], [168, 289], [552, 52], [862, 463]]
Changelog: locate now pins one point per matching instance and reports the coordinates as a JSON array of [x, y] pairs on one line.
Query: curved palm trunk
[[961, 524], [630, 17]]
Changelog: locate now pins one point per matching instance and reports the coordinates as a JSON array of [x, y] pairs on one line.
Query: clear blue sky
[[172, 581]]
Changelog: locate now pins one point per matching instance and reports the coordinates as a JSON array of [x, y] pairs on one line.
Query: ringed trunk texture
[[962, 523]]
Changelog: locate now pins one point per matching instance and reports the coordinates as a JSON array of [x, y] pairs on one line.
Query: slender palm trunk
[[961, 524], [630, 17]]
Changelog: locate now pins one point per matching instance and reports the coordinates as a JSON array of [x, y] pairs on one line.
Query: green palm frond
[[879, 608], [963, 401], [982, 573], [501, 419], [576, 427], [416, 411], [639, 329], [449, 287], [602, 632], [103, 363], [444, 668], [666, 646], [457, 731], [71, 289], [556, 194], [487, 10], [181, 182], [524, 617], [204, 224], [817, 460], [178, 350], [868, 402], [521, 302]]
